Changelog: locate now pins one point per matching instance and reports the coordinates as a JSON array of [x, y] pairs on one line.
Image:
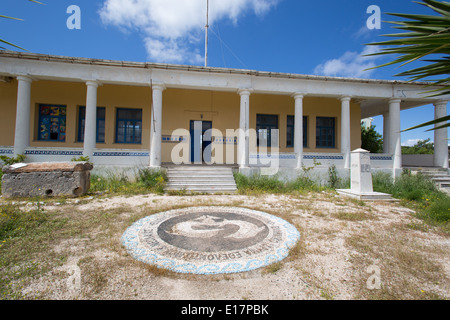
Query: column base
[[365, 196]]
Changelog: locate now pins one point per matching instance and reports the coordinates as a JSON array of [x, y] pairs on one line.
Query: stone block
[[361, 179], [46, 179], [361, 171]]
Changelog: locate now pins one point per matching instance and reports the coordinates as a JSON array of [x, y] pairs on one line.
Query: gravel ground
[[348, 250]]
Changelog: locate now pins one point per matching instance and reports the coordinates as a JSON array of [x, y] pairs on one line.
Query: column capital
[[440, 103], [245, 91], [92, 83], [394, 100], [298, 95], [345, 98], [158, 85], [25, 78]]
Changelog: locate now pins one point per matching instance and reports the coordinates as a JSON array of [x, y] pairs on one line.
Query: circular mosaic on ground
[[210, 240]]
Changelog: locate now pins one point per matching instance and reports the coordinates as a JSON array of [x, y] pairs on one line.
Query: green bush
[[303, 183], [11, 160], [152, 179], [110, 183], [148, 180], [407, 186], [336, 182], [438, 211], [259, 183], [81, 159], [272, 184], [5, 161]]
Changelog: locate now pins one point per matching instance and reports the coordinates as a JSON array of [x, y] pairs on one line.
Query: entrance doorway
[[200, 140]]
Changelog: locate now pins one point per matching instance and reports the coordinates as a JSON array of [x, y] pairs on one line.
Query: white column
[[90, 124], [156, 126], [440, 136], [298, 129], [244, 125], [345, 130], [395, 135], [386, 132], [22, 131]]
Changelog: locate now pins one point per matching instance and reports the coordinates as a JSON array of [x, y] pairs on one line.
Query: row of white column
[[22, 131], [243, 146], [391, 133]]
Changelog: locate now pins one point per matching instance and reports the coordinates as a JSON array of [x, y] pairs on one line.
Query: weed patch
[[24, 236], [147, 180], [420, 193], [403, 264], [352, 215], [258, 184]]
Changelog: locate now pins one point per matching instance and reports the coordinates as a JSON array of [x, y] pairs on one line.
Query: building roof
[[372, 94], [178, 67]]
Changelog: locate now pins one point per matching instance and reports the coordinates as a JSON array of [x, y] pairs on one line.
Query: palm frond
[[423, 36], [429, 123], [7, 17], [11, 44]]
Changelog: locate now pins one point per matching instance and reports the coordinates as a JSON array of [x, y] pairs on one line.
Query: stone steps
[[201, 179], [439, 176]]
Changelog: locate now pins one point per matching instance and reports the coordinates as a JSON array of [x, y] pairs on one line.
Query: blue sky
[[323, 37]]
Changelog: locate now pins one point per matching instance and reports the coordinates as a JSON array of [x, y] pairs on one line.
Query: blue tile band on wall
[[293, 157], [327, 157], [6, 151], [381, 158], [54, 152], [120, 154], [171, 139]]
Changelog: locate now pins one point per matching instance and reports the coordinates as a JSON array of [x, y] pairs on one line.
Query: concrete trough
[[46, 179]]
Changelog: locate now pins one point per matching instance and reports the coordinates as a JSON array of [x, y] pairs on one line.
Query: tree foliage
[[421, 147], [371, 140]]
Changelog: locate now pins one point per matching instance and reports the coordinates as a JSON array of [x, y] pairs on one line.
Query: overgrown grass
[[419, 192], [147, 180], [272, 184], [24, 236]]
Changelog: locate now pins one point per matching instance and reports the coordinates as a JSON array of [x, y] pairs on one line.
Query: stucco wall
[[180, 106]]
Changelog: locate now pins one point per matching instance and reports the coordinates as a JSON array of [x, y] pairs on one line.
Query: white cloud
[[363, 32], [351, 64], [170, 51], [410, 142], [170, 27]]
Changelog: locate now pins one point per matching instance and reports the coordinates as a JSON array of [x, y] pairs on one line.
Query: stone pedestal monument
[[361, 178]]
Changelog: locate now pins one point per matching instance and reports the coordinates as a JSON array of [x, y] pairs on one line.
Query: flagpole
[[206, 35]]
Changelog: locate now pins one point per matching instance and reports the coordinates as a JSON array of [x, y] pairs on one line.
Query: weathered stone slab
[[45, 179]]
